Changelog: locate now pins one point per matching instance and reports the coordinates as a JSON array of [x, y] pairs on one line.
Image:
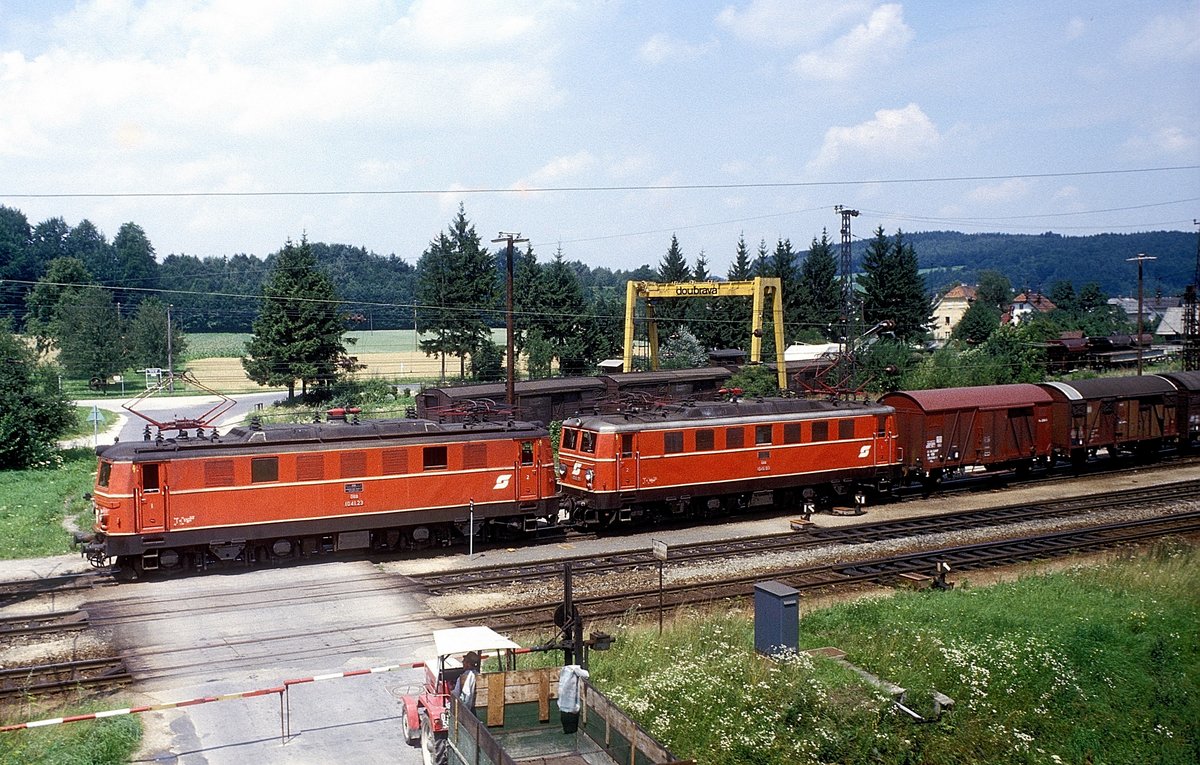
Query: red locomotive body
[[278, 491], [1113, 413], [995, 426], [721, 456]]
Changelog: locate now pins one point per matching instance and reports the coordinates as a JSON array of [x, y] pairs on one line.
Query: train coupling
[[92, 549]]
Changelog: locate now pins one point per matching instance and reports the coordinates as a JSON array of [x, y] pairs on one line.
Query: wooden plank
[[496, 699], [544, 698]]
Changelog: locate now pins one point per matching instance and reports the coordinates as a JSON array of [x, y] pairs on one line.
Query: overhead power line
[[568, 189]]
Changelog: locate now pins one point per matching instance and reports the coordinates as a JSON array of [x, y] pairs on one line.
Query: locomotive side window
[[568, 438], [105, 474], [435, 458], [475, 456], [762, 434], [526, 452], [791, 432], [820, 430], [149, 477], [704, 440], [263, 469], [735, 438], [673, 442], [845, 429], [587, 441], [881, 425], [626, 444]]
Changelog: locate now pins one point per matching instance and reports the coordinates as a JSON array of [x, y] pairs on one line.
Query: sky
[[600, 127]]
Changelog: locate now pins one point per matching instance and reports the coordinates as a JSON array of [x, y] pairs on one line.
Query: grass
[[215, 345], [99, 742], [33, 504], [84, 427], [1092, 665]]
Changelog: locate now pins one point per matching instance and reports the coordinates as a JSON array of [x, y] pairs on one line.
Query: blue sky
[[603, 127]]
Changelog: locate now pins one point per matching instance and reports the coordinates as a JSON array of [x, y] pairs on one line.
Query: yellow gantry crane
[[761, 289]]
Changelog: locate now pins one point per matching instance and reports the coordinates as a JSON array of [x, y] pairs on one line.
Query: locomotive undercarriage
[[835, 497], [163, 557]]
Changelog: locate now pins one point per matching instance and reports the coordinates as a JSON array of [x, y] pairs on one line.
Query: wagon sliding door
[[151, 495]]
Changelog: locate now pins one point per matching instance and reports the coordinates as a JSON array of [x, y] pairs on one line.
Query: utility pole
[[1139, 260], [170, 355], [510, 381], [1191, 315], [849, 323]]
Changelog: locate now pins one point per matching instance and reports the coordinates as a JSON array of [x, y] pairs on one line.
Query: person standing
[[464, 687], [568, 696]]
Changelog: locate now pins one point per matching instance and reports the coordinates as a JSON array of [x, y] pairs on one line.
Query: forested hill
[[1039, 260]]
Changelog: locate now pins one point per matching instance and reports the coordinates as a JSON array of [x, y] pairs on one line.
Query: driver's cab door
[[150, 494]]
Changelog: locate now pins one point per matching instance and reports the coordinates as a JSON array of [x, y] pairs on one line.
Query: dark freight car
[[1113, 413], [1188, 408], [557, 398], [998, 427]]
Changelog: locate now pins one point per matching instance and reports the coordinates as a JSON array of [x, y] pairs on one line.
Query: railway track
[[21, 590], [485, 576], [882, 570], [43, 624], [96, 674]]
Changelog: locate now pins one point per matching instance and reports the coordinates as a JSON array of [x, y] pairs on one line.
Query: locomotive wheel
[[128, 569]]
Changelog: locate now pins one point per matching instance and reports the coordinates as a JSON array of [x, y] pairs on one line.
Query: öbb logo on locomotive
[[271, 492]]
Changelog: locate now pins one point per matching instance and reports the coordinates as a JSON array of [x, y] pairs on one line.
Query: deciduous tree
[[34, 414]]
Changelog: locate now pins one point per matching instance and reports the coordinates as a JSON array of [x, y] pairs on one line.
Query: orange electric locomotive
[[712, 458], [269, 492]]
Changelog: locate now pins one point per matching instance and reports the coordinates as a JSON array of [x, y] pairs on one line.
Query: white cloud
[[558, 169], [1165, 141], [894, 134], [661, 47], [1166, 38], [873, 43], [1076, 28], [788, 22], [1004, 191]]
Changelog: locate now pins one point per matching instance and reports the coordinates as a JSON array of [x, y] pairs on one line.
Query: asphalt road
[[130, 427]]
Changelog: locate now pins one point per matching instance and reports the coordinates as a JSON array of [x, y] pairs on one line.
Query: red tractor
[[427, 714]]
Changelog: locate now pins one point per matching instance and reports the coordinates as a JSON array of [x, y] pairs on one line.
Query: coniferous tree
[[703, 314], [820, 291], [564, 322], [16, 260], [783, 266], [298, 331], [34, 413], [475, 290], [135, 263], [434, 299], [893, 288], [732, 314], [528, 297], [671, 314]]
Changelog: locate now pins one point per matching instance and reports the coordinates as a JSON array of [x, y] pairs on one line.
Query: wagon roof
[[499, 390], [977, 397], [726, 413], [1183, 380], [627, 379], [1108, 387]]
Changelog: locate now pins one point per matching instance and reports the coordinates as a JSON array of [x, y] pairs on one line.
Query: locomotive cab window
[[264, 469], [105, 474], [526, 452], [568, 438], [150, 477], [435, 458], [626, 444], [587, 441]]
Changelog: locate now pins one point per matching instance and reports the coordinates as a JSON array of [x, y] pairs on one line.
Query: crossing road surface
[[216, 634]]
